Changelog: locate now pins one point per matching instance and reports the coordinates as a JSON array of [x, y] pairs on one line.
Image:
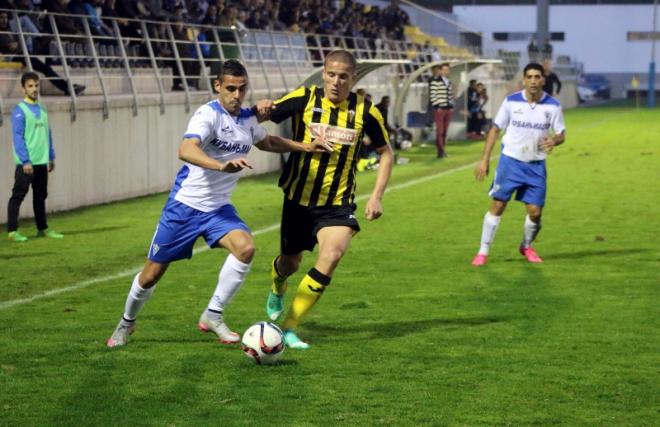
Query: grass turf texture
[[408, 332]]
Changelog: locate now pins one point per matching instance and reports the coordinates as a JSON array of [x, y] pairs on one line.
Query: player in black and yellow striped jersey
[[319, 189]]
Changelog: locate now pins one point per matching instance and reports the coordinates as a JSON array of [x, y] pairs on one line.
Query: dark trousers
[[442, 119], [22, 182], [41, 67]]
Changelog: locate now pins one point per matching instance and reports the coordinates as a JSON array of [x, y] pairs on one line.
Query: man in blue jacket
[[35, 158]]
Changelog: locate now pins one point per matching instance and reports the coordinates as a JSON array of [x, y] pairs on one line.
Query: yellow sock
[[309, 291], [279, 282]]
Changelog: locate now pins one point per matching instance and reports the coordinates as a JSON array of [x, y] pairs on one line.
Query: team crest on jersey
[[548, 116], [351, 115]]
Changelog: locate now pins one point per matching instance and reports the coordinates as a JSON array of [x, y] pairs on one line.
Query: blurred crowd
[[107, 19], [331, 17]]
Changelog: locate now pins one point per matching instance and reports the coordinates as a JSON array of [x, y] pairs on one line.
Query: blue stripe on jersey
[[217, 107], [549, 100], [192, 135], [246, 113], [180, 177], [516, 97]]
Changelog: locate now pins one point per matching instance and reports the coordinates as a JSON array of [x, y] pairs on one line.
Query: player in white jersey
[[214, 149], [534, 125]]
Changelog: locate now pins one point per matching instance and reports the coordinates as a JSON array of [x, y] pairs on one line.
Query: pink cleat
[[480, 259], [530, 254]]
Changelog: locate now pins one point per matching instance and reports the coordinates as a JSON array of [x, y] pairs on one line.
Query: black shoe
[[78, 89]]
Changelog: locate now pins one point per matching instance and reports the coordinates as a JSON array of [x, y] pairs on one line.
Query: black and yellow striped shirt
[[326, 179]]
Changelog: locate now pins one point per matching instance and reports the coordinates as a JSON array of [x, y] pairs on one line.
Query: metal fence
[[188, 55]]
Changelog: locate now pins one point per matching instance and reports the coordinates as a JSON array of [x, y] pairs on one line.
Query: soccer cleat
[[119, 338], [50, 233], [15, 236], [274, 306], [480, 259], [218, 326], [292, 341], [530, 254]]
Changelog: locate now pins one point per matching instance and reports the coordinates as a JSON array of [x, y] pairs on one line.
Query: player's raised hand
[[236, 165], [481, 170], [374, 209]]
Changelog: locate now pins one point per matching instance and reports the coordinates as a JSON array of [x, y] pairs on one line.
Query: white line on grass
[[133, 271]]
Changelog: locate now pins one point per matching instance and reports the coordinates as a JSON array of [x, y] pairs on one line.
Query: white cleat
[[119, 338], [220, 328]]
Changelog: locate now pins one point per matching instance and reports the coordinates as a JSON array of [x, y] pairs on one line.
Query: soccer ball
[[263, 342]]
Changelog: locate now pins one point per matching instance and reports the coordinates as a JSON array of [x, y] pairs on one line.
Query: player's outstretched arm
[[262, 109], [374, 208], [277, 144], [482, 168], [190, 151]]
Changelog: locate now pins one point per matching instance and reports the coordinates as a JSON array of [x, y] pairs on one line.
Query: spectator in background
[[35, 159], [65, 24], [196, 10], [551, 79], [9, 46], [211, 16], [384, 107], [27, 24], [96, 25], [441, 98], [481, 117], [473, 110], [187, 54], [532, 49]]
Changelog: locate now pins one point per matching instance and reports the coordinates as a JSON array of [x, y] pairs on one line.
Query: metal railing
[[131, 51]]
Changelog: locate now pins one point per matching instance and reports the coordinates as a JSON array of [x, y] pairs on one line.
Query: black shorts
[[301, 223]]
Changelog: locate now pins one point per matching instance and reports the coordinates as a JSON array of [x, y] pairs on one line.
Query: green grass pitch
[[409, 333]]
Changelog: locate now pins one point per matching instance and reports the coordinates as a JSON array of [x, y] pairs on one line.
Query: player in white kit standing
[[214, 148], [534, 125]]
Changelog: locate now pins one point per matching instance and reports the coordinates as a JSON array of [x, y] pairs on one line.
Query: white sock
[[136, 298], [491, 222], [530, 231], [231, 277]]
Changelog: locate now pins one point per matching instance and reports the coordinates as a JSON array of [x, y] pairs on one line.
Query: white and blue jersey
[[521, 168], [223, 138], [199, 201]]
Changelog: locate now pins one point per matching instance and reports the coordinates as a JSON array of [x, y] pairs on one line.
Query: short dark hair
[[444, 64], [341, 55], [30, 75], [231, 67], [533, 66]]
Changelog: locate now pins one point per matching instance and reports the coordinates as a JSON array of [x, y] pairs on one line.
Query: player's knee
[[289, 264], [149, 278], [245, 252], [332, 256], [534, 214], [535, 217]]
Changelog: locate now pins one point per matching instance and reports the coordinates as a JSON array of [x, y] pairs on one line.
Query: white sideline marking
[[133, 271]]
